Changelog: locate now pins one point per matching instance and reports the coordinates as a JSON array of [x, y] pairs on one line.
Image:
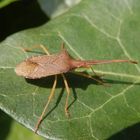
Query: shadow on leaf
[[130, 133], [74, 81]]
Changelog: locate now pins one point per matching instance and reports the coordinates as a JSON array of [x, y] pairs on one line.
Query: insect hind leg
[[68, 93], [96, 74], [90, 77], [47, 104]]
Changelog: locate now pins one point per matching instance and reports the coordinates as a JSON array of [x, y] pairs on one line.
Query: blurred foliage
[[11, 130], [4, 3]]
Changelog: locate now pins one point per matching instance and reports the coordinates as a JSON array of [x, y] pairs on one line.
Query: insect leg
[[46, 106], [39, 46], [93, 70], [62, 46], [68, 93], [89, 76]]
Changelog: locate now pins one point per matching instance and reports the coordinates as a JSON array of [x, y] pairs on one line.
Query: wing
[[42, 66]]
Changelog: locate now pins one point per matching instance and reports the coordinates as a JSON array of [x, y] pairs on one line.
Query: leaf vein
[[115, 96], [128, 6], [97, 28], [69, 45]]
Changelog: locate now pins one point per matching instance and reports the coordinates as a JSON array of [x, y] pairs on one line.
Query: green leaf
[[96, 29], [4, 3]]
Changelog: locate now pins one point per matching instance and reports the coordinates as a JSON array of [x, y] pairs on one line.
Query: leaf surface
[[91, 30]]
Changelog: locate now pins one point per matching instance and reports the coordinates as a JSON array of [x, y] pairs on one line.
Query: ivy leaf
[[91, 30]]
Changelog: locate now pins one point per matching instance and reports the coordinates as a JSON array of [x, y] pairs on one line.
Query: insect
[[60, 63]]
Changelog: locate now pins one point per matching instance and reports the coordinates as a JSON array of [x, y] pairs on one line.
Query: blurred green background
[[11, 130]]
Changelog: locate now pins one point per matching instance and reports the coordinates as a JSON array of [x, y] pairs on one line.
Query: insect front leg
[[39, 46]]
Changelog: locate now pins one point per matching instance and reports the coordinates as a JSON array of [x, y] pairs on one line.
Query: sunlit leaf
[[93, 29]]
